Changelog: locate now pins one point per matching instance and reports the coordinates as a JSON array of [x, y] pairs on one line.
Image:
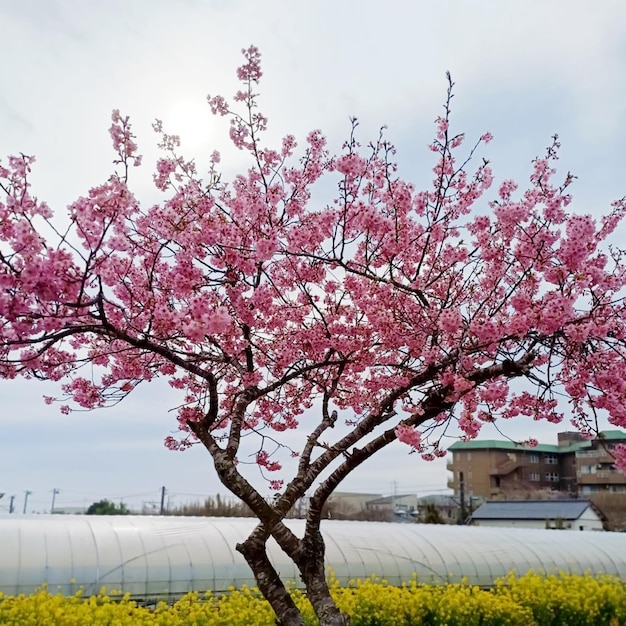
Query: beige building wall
[[493, 472], [595, 472], [350, 503]]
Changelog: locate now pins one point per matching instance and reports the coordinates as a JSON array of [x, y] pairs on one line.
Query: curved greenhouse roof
[[151, 557]]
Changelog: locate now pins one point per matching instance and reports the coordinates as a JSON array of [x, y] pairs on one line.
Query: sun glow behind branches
[[192, 121]]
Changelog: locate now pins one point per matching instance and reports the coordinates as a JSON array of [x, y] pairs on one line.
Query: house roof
[[612, 435], [533, 509], [439, 500], [483, 444], [391, 499], [354, 494]]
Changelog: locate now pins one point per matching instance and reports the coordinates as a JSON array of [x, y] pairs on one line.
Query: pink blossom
[[620, 457], [218, 105], [442, 127], [219, 321], [251, 71], [450, 321], [507, 188], [495, 392], [263, 459], [351, 165], [265, 249], [470, 426], [409, 435]]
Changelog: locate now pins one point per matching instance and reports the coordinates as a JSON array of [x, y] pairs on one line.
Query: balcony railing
[[602, 477], [598, 455]]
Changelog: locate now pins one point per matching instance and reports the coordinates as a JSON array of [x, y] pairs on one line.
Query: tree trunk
[[270, 584], [313, 574]]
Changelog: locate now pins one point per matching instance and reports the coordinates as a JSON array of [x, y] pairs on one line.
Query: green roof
[[484, 444], [612, 435]]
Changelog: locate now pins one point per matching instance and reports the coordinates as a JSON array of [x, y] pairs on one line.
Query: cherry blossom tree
[[384, 314]]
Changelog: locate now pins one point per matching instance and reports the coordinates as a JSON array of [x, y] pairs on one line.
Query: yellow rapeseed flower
[[535, 599]]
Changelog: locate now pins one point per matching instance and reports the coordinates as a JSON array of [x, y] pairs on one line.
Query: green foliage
[[431, 515], [530, 600], [105, 507]]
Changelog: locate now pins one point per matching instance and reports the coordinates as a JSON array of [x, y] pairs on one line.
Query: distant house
[[348, 504], [69, 510], [559, 514], [448, 507], [400, 506]]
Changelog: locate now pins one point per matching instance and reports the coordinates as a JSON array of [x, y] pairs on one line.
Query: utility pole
[[11, 507], [162, 512], [462, 513], [26, 494], [55, 491]]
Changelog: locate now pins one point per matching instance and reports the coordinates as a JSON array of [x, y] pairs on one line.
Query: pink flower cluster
[[123, 139], [263, 460], [409, 435]]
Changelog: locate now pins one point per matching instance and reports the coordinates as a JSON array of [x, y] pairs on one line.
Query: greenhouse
[[154, 557]]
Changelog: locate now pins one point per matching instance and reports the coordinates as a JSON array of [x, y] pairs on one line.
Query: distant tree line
[[106, 507], [213, 507]]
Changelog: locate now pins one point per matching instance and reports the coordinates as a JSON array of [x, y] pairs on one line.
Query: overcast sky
[[524, 69]]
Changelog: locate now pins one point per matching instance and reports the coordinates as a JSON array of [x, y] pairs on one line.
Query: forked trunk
[[270, 584], [313, 574]]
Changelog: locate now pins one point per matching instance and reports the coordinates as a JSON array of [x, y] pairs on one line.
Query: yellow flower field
[[529, 600]]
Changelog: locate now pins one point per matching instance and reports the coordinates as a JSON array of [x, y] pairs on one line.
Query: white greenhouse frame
[[164, 557]]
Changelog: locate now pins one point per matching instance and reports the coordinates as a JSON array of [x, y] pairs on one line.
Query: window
[[534, 458], [534, 477], [551, 459], [552, 477], [469, 456]]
